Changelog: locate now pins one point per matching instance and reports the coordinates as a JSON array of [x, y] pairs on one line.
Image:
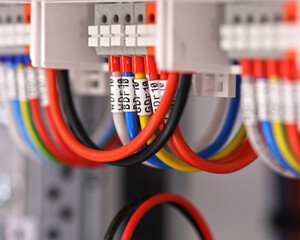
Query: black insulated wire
[[162, 137], [124, 212]]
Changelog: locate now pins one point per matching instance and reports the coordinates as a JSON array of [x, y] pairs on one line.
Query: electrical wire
[[11, 123], [119, 120], [31, 131], [106, 130], [122, 214], [112, 155], [227, 127], [241, 158], [235, 143], [131, 160], [15, 134], [18, 118], [175, 200], [250, 118], [166, 133], [16, 110], [25, 111], [277, 127], [290, 73], [212, 131], [133, 131], [220, 167]]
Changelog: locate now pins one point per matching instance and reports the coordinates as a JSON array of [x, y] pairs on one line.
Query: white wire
[[103, 126], [214, 128], [258, 143], [15, 135], [120, 125]]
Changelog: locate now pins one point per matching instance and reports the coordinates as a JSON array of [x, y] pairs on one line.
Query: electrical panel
[[106, 99]]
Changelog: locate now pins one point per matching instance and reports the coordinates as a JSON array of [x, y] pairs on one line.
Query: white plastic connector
[[215, 85], [90, 83], [259, 39], [118, 35], [14, 35], [131, 38]]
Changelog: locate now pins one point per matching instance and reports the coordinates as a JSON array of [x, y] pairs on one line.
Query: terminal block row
[[125, 28], [254, 30]]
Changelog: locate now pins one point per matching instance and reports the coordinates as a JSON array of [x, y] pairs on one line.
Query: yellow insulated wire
[[165, 156], [28, 123], [281, 139], [178, 164], [233, 145]]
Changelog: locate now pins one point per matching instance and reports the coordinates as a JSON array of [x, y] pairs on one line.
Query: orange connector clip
[[27, 16], [151, 19]]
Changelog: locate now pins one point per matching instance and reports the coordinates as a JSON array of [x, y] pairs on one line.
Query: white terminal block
[[257, 39], [94, 30], [14, 35], [215, 85], [118, 35], [131, 36], [105, 36]]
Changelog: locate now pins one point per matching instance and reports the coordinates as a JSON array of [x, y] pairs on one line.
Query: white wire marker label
[[155, 94], [116, 94], [128, 94], [3, 94], [163, 85], [11, 83], [262, 99], [22, 94], [248, 102], [275, 104], [297, 99], [31, 83], [289, 103], [142, 98], [43, 88]]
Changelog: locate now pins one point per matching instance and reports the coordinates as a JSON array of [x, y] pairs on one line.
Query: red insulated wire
[[114, 142], [63, 147], [69, 159], [289, 73], [44, 135], [116, 154], [166, 198], [240, 158]]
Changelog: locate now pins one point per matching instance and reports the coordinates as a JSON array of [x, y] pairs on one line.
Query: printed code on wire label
[[248, 103], [163, 85], [297, 99], [142, 98], [43, 88], [3, 94], [262, 99], [288, 100], [275, 104], [31, 83], [11, 84], [155, 94], [21, 84], [116, 94], [128, 94]]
